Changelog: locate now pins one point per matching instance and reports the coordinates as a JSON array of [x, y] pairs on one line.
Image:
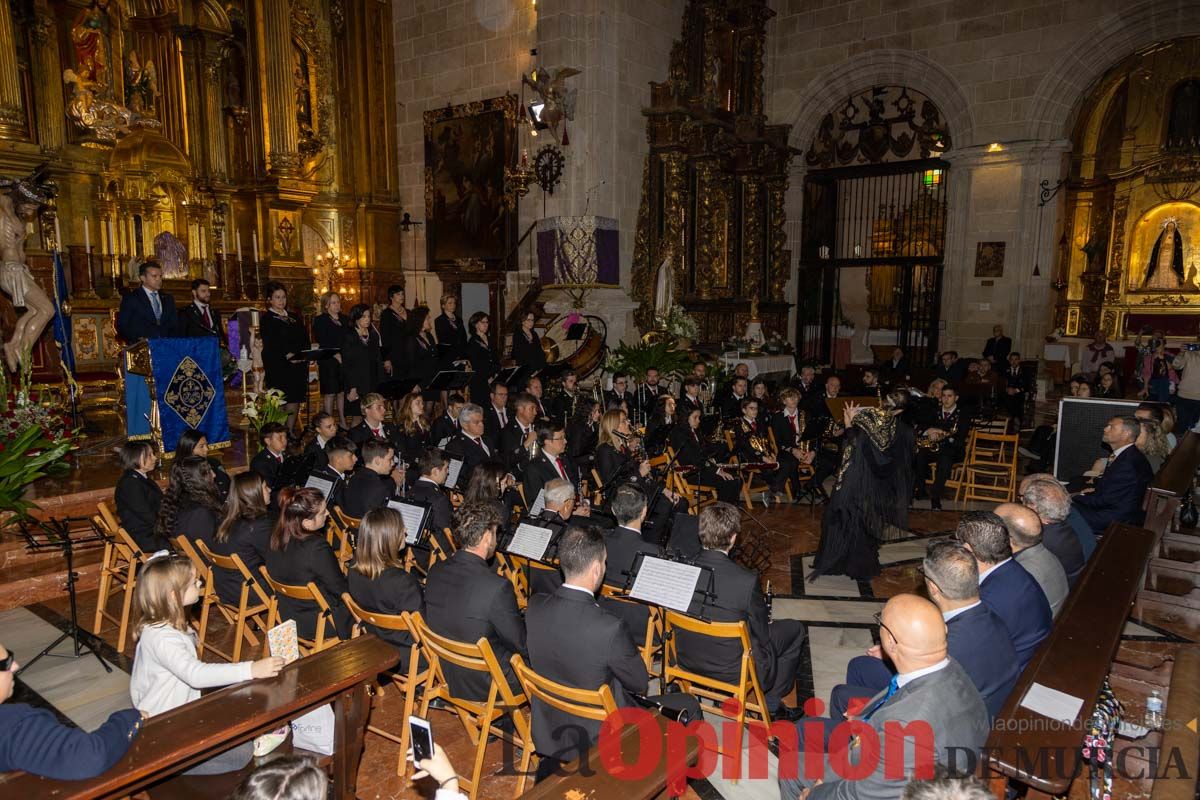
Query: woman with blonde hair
[[618, 461], [1152, 441], [329, 329], [377, 578], [414, 433], [166, 672]]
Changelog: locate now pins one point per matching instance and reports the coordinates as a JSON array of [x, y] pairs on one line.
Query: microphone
[[588, 196]]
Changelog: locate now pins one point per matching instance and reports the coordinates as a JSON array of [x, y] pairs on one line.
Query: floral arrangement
[[264, 407], [634, 360], [36, 441], [678, 323]]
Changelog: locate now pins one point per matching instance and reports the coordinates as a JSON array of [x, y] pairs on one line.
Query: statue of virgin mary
[[1165, 269]]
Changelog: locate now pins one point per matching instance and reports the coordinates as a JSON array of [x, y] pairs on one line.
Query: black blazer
[[575, 642], [613, 465], [528, 352], [361, 433], [998, 349], [138, 499], [1118, 492], [267, 466], [1061, 540], [737, 597], [135, 318], [362, 364], [979, 642], [562, 406], [366, 490], [314, 450], [511, 447], [484, 366], [581, 441], [685, 405], [623, 545], [466, 600], [422, 359], [542, 470], [441, 516], [280, 337], [492, 426], [250, 539], [393, 334], [329, 333], [191, 323], [442, 428], [393, 592], [196, 522], [472, 455], [337, 497], [611, 398], [305, 560], [692, 451], [451, 333], [781, 426]]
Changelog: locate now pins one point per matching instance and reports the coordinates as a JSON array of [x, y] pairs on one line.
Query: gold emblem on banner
[[190, 392]]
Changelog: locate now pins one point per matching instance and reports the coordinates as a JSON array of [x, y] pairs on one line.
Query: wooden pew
[[1172, 482], [1075, 658], [178, 739], [1183, 704], [1173, 578]]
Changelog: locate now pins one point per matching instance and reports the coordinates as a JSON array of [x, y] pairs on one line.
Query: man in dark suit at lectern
[[147, 312], [199, 318]]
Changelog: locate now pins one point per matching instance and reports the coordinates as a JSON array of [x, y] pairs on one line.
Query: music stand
[[415, 515], [396, 388], [516, 376], [706, 575], [449, 380], [55, 534], [575, 332], [316, 354]]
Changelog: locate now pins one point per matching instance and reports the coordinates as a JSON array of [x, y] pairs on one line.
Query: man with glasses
[[552, 462], [975, 637], [37, 743], [929, 686]]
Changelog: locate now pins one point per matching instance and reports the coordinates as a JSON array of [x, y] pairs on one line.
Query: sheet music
[[456, 466], [530, 541], [442, 444], [320, 484], [665, 583], [414, 519], [539, 503]]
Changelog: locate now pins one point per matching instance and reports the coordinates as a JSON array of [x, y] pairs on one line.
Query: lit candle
[[237, 237], [57, 235], [87, 236], [254, 241]]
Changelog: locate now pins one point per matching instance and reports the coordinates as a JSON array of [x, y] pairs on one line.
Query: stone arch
[[896, 67], [1060, 95]]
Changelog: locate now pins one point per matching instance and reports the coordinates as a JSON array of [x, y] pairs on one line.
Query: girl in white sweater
[[166, 671]]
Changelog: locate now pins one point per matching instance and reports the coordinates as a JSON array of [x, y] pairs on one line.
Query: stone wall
[[1010, 77]]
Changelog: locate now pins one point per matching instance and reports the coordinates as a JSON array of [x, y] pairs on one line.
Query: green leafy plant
[[23, 460], [265, 407], [635, 359]]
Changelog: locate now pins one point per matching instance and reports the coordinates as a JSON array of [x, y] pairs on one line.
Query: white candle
[[57, 235], [112, 240], [237, 237], [87, 236], [132, 248], [254, 240]]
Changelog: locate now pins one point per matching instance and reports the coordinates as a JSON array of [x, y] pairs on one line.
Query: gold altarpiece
[[189, 130], [1129, 255], [710, 229]]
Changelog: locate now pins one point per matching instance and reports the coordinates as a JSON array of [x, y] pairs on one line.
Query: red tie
[[562, 471], [378, 432], [207, 318], [795, 424]]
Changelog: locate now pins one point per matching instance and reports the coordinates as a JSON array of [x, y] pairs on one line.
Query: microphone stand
[[658, 490]]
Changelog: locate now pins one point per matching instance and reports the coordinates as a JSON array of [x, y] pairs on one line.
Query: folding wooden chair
[[515, 569], [244, 611], [308, 593], [747, 691], [751, 481], [991, 472], [208, 596], [596, 704], [410, 682], [697, 496], [118, 575], [651, 639], [343, 529], [478, 717]]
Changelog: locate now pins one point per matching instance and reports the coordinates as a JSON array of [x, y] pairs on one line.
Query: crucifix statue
[[20, 203]]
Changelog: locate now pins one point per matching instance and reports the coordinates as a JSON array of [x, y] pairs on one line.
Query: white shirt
[[906, 677], [166, 672], [1118, 452], [588, 592], [321, 441], [502, 415], [949, 615], [983, 575]]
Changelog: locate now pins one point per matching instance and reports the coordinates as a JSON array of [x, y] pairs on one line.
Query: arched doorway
[[874, 229]]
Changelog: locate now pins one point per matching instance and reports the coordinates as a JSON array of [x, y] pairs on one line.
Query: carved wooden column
[[12, 110], [47, 76], [274, 35], [214, 144]]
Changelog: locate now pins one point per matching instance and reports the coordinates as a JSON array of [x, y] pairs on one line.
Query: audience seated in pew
[[1117, 495], [466, 600], [137, 496], [1051, 502], [929, 685], [377, 579], [975, 637], [191, 506], [737, 597], [376, 482], [299, 555], [246, 531], [1004, 585], [1025, 537], [34, 741]]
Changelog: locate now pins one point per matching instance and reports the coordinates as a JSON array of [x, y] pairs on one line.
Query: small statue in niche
[[89, 38], [141, 85], [17, 205], [1165, 270]]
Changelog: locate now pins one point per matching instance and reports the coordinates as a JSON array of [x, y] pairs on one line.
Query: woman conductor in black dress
[[362, 360], [527, 346], [329, 330], [484, 364], [283, 336]]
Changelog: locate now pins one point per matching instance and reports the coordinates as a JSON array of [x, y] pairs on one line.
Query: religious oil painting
[[466, 150], [989, 260], [1164, 254]]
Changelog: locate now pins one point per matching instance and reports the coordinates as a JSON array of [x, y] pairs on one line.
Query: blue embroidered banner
[[187, 378]]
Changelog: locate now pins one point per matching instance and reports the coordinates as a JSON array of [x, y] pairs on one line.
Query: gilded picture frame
[[469, 216]]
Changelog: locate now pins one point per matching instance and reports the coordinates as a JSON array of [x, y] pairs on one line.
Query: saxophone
[[930, 445]]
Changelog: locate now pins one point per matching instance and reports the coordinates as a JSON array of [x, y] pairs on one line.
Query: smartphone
[[422, 738]]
